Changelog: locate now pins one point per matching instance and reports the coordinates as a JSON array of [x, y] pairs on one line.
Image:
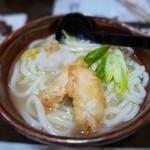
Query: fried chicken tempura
[[81, 84], [88, 96], [54, 95]]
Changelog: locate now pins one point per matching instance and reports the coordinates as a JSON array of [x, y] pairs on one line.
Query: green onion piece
[[68, 36], [121, 86], [100, 70], [94, 55], [109, 69], [116, 67], [113, 67], [117, 70]]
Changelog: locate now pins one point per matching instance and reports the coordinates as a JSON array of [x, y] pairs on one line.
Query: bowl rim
[[61, 140]]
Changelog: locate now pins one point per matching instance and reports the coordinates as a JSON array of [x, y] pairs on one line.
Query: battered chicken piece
[[81, 84], [88, 96], [52, 45], [54, 95]]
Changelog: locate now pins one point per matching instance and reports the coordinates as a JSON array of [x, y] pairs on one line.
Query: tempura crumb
[[51, 45]]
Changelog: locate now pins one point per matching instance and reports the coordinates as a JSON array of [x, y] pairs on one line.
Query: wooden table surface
[[39, 8]]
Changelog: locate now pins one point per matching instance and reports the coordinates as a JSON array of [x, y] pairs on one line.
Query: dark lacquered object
[[15, 44], [78, 25]]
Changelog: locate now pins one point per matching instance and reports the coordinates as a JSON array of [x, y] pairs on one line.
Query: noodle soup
[[77, 87]]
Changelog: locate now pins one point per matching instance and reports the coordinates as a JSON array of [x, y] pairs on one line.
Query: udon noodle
[[37, 68]]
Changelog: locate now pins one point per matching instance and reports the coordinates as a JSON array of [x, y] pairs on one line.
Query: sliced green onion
[[93, 56], [109, 69], [121, 86], [68, 36], [100, 70]]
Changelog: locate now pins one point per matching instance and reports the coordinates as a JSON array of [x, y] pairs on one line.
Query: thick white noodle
[[117, 109], [132, 98], [30, 120], [138, 91], [14, 77], [137, 72], [28, 62], [145, 79], [47, 126], [43, 84], [61, 120], [32, 89], [41, 114], [29, 108], [23, 81], [34, 86], [110, 86], [133, 82], [119, 117], [33, 68], [133, 112], [25, 71], [112, 110], [110, 96], [79, 46]]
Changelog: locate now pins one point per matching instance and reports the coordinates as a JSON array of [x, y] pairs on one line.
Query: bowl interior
[[11, 49]]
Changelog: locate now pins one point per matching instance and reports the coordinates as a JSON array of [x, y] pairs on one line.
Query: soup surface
[[77, 87]]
